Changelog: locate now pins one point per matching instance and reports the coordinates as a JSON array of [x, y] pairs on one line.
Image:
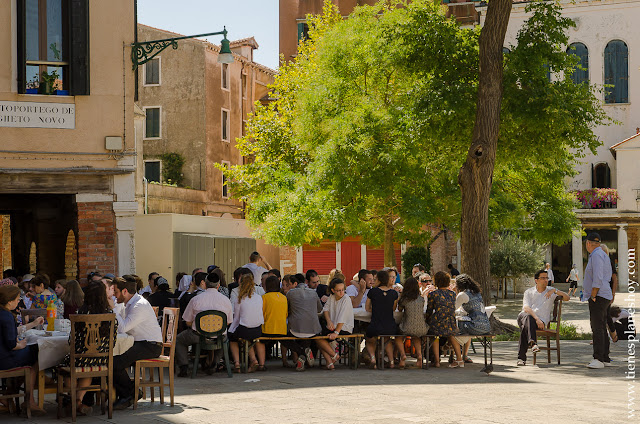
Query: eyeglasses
[[426, 281], [415, 265]]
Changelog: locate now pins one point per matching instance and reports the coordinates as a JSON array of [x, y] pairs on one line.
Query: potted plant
[[47, 82]]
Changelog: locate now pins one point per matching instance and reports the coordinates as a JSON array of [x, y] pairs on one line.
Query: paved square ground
[[567, 393]]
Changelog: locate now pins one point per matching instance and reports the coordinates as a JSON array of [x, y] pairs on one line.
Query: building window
[[616, 72], [225, 125], [581, 72], [225, 76], [601, 176], [152, 72], [303, 31], [152, 125], [53, 46], [152, 170], [244, 86], [225, 189]]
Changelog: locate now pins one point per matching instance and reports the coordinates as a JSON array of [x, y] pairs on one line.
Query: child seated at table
[[95, 302], [338, 314], [382, 301], [441, 305]]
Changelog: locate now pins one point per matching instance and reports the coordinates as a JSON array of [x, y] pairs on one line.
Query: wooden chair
[[93, 323], [550, 333], [210, 326], [31, 313], [13, 389], [156, 309], [169, 334]]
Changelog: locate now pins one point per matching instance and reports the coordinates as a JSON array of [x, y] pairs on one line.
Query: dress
[[81, 332], [382, 321], [441, 304], [477, 321], [413, 322]]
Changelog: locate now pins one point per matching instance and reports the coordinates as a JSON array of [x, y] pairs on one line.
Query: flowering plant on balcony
[[598, 198]]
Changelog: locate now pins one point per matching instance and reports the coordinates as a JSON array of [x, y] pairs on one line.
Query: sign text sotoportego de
[[37, 115]]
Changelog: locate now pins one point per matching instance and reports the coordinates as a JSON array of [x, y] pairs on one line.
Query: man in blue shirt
[[597, 289]]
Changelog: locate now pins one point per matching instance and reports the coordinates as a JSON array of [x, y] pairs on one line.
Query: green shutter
[[22, 47], [616, 72], [79, 47]]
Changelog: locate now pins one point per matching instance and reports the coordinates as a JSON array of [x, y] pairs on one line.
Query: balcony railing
[[598, 198]]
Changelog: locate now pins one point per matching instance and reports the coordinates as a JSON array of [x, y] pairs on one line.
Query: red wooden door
[[350, 257]]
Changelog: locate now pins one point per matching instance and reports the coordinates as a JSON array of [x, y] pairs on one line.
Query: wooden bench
[[352, 341], [485, 339]]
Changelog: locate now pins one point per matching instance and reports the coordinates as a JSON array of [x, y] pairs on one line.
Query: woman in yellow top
[[275, 311]]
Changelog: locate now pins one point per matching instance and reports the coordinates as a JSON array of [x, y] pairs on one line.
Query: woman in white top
[[247, 324], [338, 312]]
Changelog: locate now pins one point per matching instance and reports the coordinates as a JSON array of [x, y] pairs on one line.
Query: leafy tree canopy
[[372, 121]]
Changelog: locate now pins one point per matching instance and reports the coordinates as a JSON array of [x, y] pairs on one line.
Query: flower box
[[598, 198]]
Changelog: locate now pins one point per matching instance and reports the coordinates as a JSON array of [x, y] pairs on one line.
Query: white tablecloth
[[361, 314], [52, 349]]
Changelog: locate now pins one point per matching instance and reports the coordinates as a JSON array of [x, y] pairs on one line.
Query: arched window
[[581, 71], [601, 176], [616, 72]]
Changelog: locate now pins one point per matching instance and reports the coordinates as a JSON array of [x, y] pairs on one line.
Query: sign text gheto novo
[[37, 115]]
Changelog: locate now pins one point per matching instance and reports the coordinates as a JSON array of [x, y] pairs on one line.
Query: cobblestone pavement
[[567, 393]]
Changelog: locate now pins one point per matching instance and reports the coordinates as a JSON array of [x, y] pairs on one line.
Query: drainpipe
[[146, 195]]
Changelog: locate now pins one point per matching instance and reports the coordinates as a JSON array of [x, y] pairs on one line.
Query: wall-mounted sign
[[37, 115]]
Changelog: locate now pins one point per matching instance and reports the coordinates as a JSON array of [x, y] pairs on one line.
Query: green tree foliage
[[373, 118], [172, 164], [511, 256], [415, 255]]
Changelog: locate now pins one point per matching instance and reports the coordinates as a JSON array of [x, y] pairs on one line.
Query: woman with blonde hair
[[247, 323]]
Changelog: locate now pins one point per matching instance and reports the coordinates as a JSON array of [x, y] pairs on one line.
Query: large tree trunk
[[476, 174], [389, 251]]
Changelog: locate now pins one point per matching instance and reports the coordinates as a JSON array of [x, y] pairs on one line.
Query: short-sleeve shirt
[[275, 311], [382, 321], [539, 303], [210, 299], [352, 291]]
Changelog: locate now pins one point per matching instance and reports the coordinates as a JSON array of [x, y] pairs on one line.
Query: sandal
[[403, 359], [253, 367], [457, 364], [236, 368], [330, 367], [467, 360], [262, 368], [335, 358]]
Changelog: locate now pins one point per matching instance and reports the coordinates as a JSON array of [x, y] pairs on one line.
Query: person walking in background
[[547, 267], [572, 279], [597, 290]]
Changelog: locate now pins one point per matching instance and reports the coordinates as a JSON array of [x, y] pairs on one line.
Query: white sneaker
[[520, 363], [608, 364], [595, 364], [535, 348]]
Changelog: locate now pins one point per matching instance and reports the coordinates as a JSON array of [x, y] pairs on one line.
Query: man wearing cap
[[597, 289]]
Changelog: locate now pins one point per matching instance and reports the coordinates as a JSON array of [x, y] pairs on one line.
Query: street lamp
[[144, 51]]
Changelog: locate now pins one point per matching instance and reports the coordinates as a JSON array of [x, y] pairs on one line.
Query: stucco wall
[[597, 24], [103, 113], [628, 158]]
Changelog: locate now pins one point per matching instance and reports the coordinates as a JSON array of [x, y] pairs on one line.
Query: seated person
[[235, 291], [426, 284], [473, 319], [275, 311], [39, 292], [247, 323], [413, 323], [358, 292], [338, 314], [382, 301], [139, 322], [95, 302], [621, 324], [313, 282], [209, 299], [537, 306], [146, 291], [194, 289], [162, 297], [441, 305], [71, 295], [304, 306], [15, 353]]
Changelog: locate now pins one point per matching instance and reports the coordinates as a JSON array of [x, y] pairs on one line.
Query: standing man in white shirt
[[138, 321], [537, 306], [547, 267], [254, 260]]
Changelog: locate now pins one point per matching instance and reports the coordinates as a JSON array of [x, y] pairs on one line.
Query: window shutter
[[622, 72], [22, 48], [609, 78], [593, 177], [79, 47], [300, 31], [607, 182]]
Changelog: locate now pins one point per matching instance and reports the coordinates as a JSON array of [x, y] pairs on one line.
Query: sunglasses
[[426, 281]]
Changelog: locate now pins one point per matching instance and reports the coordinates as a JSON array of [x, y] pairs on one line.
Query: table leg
[[41, 388]]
